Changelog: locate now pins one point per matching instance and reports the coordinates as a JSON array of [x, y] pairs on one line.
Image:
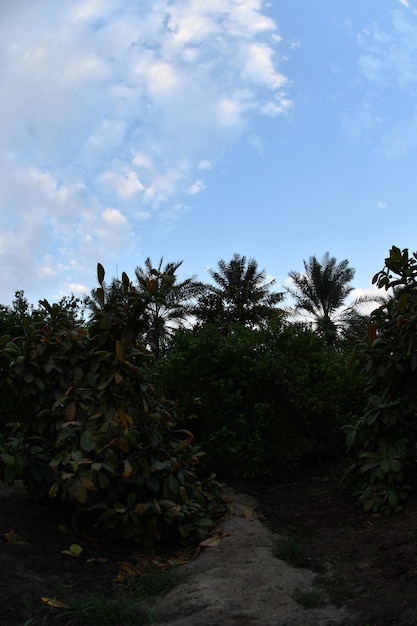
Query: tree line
[[254, 387], [239, 293]]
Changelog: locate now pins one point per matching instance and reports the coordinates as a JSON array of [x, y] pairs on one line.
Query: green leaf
[[131, 499], [19, 464], [160, 466], [170, 486], [393, 499], [100, 294], [9, 475], [100, 273], [152, 483], [8, 459], [103, 480], [49, 366], [87, 442], [185, 530], [79, 492], [395, 465]]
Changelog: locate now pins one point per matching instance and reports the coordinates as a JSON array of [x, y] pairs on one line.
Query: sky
[[195, 129]]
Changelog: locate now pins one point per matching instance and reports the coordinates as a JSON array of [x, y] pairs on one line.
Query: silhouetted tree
[[241, 294]]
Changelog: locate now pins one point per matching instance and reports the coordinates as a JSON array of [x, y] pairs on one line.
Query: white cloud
[[109, 105], [195, 188], [230, 112], [388, 63], [126, 185], [259, 67], [114, 217], [205, 165]]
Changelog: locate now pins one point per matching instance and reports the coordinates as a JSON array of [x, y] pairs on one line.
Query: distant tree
[[320, 294], [170, 302], [12, 317], [241, 294]]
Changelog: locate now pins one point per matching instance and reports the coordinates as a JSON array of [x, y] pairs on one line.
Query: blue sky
[[194, 129]]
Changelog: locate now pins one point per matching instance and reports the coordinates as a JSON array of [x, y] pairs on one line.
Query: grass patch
[[154, 582], [122, 606], [95, 609], [291, 551]]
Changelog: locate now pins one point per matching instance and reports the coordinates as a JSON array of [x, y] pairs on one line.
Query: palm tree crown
[[322, 290], [169, 300], [241, 294]]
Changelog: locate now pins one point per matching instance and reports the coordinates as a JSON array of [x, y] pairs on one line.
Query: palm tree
[[169, 301], [321, 291], [241, 294]]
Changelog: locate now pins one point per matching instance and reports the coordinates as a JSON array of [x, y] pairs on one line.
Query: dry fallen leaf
[[214, 539], [12, 537], [56, 604], [252, 514], [74, 550]]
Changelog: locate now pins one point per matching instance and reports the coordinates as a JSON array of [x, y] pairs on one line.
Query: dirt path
[[240, 581]]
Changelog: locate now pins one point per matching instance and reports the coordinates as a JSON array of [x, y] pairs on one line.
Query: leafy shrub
[[88, 427], [263, 397], [382, 442]]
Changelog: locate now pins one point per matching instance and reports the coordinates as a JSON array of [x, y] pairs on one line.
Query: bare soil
[[366, 564]]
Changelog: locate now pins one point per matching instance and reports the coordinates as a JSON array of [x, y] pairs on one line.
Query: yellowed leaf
[[99, 559], [119, 350], [53, 490], [211, 542], [88, 483], [123, 418], [141, 508], [66, 530], [74, 550], [130, 570], [56, 604], [70, 411], [120, 443], [79, 491], [118, 378], [214, 539], [12, 537], [127, 469], [252, 514], [186, 442]]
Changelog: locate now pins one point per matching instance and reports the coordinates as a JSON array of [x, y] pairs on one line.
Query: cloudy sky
[[194, 129]]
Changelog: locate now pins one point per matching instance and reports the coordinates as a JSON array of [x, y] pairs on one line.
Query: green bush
[[262, 397], [88, 427], [383, 441]]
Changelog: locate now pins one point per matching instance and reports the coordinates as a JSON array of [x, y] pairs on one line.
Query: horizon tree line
[[240, 293]]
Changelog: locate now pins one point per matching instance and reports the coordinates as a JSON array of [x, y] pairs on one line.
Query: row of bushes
[[88, 422], [263, 398]]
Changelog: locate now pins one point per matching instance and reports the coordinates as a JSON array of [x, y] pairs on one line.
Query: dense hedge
[[382, 443], [87, 426], [263, 398]]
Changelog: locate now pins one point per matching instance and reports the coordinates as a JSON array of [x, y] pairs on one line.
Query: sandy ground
[[239, 582]]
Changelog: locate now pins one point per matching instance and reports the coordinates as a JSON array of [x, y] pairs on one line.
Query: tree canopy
[[241, 294], [320, 293]]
